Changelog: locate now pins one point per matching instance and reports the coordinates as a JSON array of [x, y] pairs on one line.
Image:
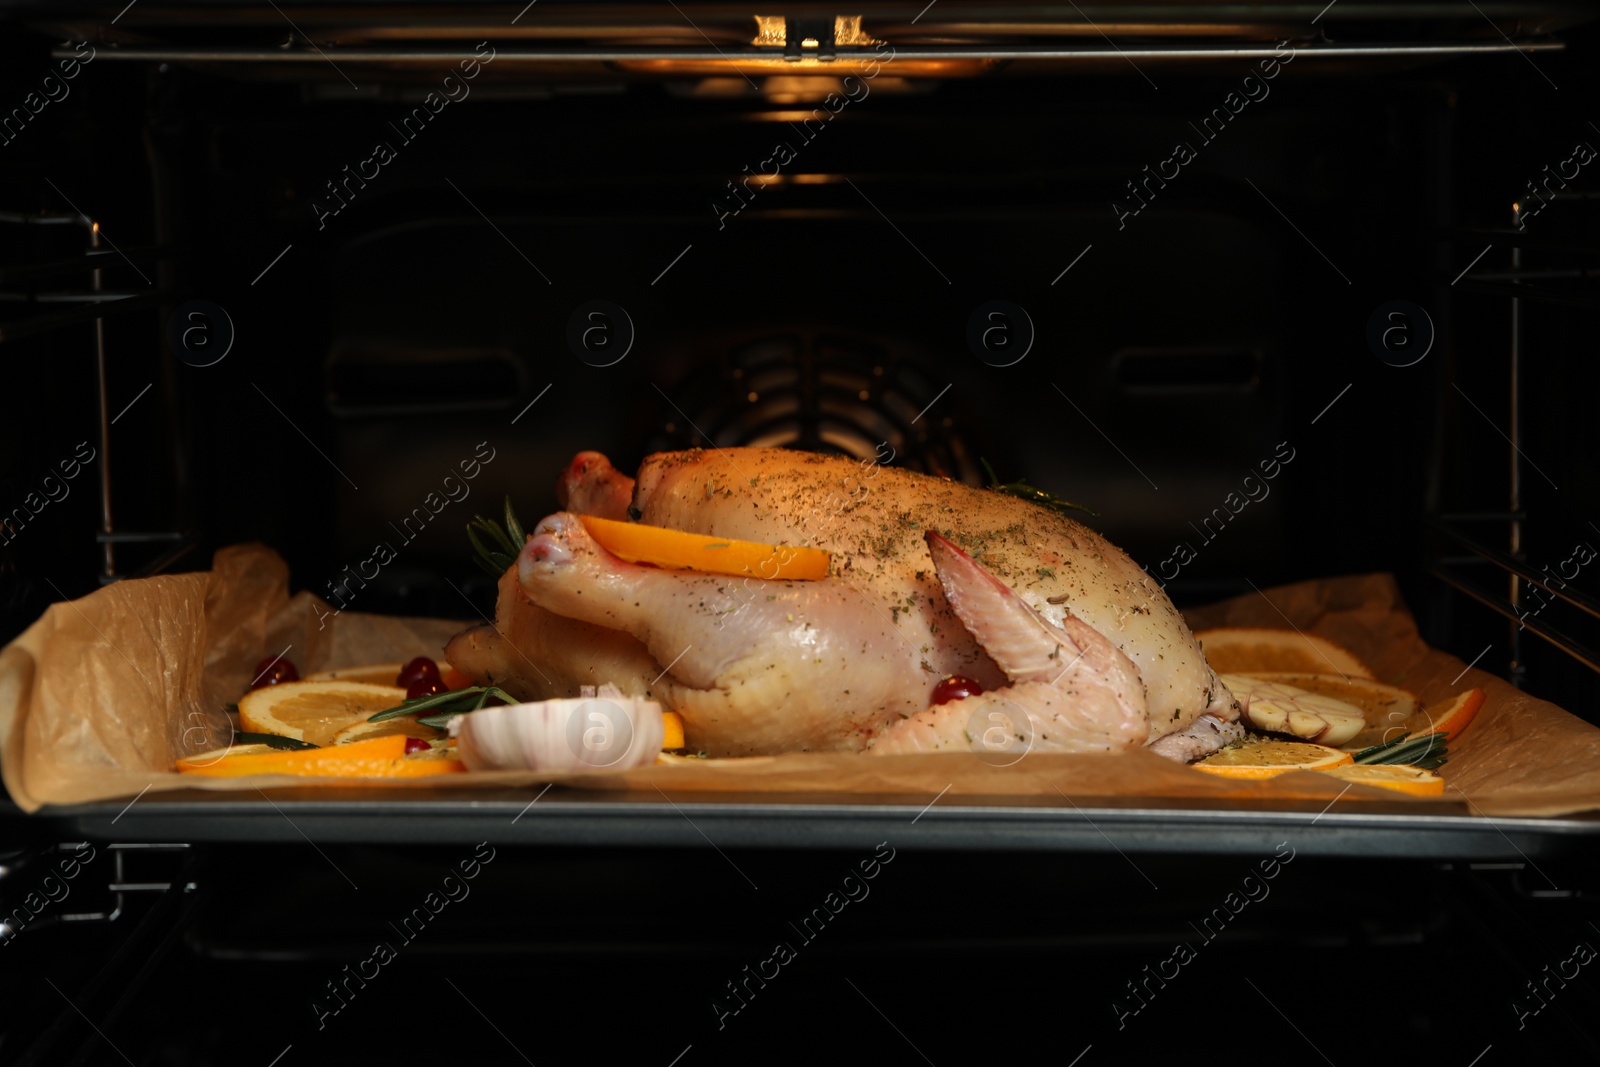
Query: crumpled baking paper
[[101, 696]]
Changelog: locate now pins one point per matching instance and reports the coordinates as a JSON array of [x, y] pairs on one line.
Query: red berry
[[424, 687], [416, 744], [272, 671], [416, 670], [955, 687]]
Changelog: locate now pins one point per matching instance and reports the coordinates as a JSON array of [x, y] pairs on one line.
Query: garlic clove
[[602, 730], [1268, 715], [1307, 725], [1341, 728]]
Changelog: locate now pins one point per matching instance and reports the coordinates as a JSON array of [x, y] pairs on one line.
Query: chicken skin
[[1070, 640]]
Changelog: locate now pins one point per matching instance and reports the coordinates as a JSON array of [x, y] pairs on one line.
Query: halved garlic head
[[1276, 708], [600, 730]]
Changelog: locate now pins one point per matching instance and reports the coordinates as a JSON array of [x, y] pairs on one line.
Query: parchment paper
[[101, 696]]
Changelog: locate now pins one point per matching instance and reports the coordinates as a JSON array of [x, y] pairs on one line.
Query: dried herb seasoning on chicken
[[1064, 636]]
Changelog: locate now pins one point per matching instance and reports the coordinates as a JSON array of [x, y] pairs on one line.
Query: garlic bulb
[[1279, 708], [599, 730]]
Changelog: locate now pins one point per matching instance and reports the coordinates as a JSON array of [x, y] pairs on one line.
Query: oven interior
[[1201, 263]]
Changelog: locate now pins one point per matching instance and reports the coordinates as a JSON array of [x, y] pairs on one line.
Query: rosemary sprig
[[514, 527], [1023, 491], [496, 546], [277, 741], [445, 706], [1427, 751]]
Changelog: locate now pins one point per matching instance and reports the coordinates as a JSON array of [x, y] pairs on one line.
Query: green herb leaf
[[1366, 755], [442, 718], [278, 741], [1023, 491], [485, 555], [496, 548], [503, 542], [1427, 751], [445, 706], [513, 527]]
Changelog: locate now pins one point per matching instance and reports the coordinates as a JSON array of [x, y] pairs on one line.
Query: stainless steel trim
[[700, 55], [1439, 830]]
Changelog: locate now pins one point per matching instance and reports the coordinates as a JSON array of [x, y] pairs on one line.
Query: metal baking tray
[[566, 817]]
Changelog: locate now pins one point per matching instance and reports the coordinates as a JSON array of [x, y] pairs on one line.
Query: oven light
[[749, 66], [787, 89], [782, 116]]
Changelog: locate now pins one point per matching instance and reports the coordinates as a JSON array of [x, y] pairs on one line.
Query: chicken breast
[[862, 650]]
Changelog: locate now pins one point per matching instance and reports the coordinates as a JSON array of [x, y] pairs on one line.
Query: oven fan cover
[[822, 392]]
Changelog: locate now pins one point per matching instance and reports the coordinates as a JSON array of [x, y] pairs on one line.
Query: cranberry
[[416, 744], [272, 671], [424, 687], [416, 670], [955, 687]]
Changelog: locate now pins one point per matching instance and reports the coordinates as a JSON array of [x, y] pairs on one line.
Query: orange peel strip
[[679, 550]]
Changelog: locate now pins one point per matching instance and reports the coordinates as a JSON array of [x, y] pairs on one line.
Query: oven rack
[[1469, 564], [59, 308]]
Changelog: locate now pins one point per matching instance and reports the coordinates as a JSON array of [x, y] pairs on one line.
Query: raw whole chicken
[[1075, 647]]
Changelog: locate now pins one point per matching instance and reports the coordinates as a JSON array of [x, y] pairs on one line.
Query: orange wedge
[[1398, 777], [1249, 649], [677, 550], [314, 711], [380, 757], [1448, 717], [672, 731], [1263, 758]]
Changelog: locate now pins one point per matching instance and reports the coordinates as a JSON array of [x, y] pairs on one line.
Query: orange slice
[[369, 674], [314, 711], [1266, 758], [383, 674], [201, 760], [1448, 717], [405, 726], [1399, 777], [677, 550], [672, 731], [380, 757], [1251, 649]]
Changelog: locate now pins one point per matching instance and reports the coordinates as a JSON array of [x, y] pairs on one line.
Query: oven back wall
[[1187, 347]]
